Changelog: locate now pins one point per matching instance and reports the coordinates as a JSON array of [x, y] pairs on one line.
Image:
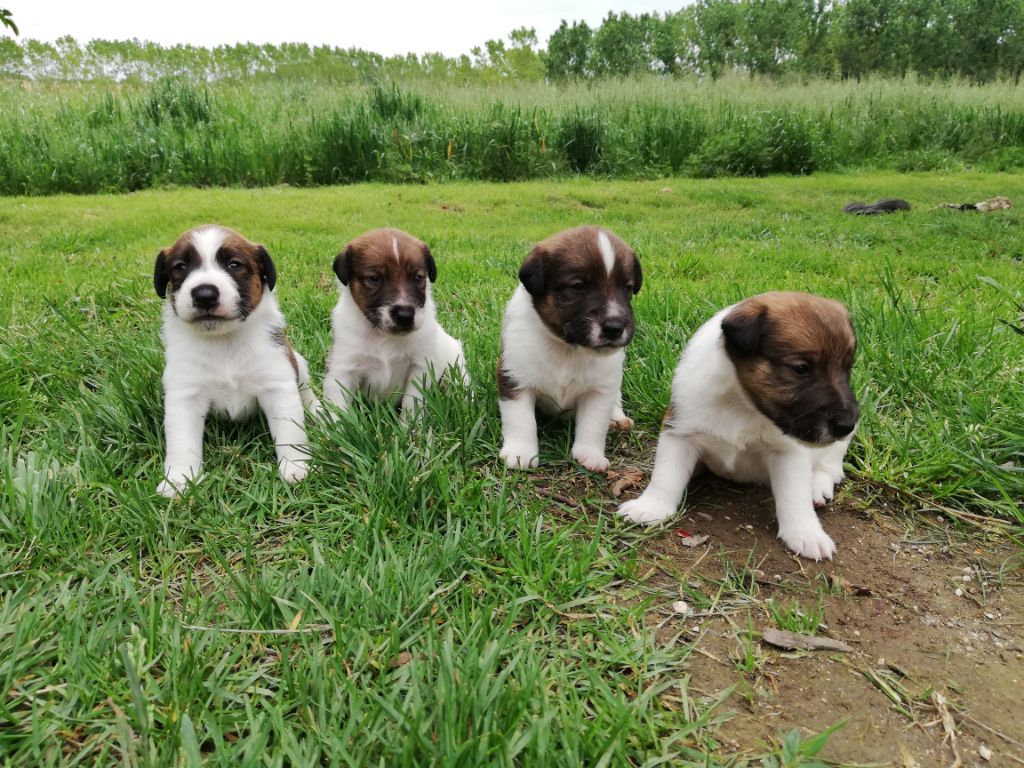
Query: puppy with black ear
[[226, 351], [762, 395], [386, 335], [563, 342]]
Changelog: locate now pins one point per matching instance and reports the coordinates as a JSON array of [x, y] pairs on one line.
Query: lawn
[[412, 602]]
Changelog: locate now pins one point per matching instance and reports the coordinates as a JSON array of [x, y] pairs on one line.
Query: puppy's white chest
[[381, 377]]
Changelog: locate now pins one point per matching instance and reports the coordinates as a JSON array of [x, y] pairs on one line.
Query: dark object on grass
[[888, 205], [995, 204]]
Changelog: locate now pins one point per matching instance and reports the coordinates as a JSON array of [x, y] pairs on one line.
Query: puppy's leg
[[827, 470], [184, 419], [674, 463], [799, 527], [412, 396], [338, 385], [620, 420], [309, 401], [593, 414], [520, 448], [283, 409]]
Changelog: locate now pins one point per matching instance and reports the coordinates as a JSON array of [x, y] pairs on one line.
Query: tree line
[[980, 40]]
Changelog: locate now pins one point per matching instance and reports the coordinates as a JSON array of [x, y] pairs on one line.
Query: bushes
[[263, 132]]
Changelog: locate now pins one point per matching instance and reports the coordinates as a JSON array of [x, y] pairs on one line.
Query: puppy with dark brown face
[[226, 350], [762, 395], [563, 342], [386, 336]]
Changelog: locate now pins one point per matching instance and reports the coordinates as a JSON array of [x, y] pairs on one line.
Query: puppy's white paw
[[646, 510], [822, 488], [293, 470], [621, 423], [167, 489], [595, 461], [809, 541], [520, 455]]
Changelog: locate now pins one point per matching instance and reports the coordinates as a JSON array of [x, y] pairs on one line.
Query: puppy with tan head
[[762, 395], [226, 350], [386, 336], [563, 342]]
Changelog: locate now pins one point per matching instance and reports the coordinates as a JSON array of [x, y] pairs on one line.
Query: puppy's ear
[[269, 271], [161, 275], [743, 328], [531, 274], [428, 258], [638, 275], [343, 264]]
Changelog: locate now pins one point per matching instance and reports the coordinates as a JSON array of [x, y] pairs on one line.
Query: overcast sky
[[449, 26]]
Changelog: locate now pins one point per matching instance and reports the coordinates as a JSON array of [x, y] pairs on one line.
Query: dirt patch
[[936, 620]]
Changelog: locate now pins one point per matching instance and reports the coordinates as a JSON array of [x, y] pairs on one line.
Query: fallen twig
[[948, 726], [793, 641]]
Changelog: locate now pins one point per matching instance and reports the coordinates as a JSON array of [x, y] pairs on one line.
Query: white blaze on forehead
[[394, 248], [207, 242], [607, 251]]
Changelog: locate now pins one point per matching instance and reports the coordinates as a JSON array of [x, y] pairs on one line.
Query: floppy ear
[[343, 264], [638, 275], [531, 274], [743, 328], [269, 270], [431, 265], [161, 276]]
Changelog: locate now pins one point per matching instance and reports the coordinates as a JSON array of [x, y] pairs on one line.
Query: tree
[[569, 52], [7, 21]]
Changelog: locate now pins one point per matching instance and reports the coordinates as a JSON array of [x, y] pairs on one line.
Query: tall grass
[[107, 138]]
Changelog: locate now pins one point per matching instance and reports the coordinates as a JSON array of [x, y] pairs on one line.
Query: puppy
[[762, 395], [226, 350], [563, 342], [386, 335]]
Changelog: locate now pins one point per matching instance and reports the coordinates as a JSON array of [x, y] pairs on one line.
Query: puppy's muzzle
[[402, 315], [205, 297]]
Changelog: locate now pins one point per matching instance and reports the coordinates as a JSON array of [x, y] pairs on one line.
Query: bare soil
[[934, 615]]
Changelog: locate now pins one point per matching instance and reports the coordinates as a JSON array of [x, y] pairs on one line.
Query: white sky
[[400, 26]]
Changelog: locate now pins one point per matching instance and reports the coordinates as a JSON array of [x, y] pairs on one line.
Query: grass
[[412, 602], [58, 137]]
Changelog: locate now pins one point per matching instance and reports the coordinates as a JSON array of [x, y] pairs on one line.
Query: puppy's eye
[[419, 277], [800, 369], [180, 268], [235, 264], [372, 279], [576, 286], [628, 287]]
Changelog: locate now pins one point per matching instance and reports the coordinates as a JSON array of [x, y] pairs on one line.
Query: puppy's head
[[388, 272], [215, 277], [793, 353], [582, 282]]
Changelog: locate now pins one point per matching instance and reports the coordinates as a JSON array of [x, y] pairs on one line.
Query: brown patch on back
[[771, 336], [508, 389], [278, 337]]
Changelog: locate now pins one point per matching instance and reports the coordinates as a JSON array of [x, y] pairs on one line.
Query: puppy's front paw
[[167, 489], [822, 488], [520, 455], [293, 470], [593, 460], [646, 510], [621, 423], [809, 541]]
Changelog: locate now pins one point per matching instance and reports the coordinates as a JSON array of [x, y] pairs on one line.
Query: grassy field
[[412, 602], [100, 137]]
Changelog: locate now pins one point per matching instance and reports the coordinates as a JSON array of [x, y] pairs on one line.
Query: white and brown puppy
[[563, 342], [226, 350], [386, 335], [762, 395]]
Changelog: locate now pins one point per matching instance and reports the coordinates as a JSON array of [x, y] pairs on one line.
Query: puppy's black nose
[[205, 296], [841, 426], [612, 328], [402, 315]]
